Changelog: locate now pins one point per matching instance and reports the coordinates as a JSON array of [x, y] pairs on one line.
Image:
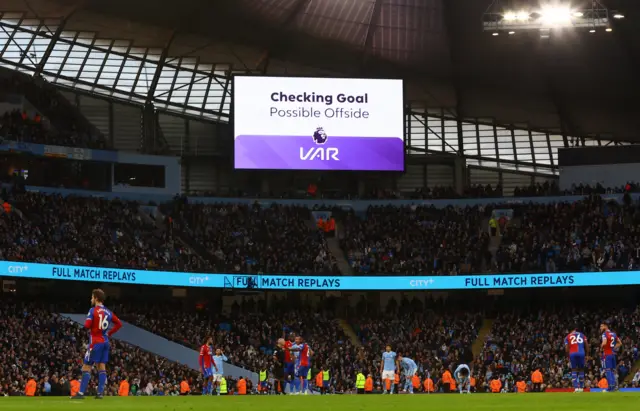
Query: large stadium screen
[[296, 123]]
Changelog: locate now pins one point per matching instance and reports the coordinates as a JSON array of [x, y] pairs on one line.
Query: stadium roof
[[579, 83]]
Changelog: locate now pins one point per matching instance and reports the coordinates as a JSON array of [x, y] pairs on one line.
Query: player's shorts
[[302, 371], [325, 384], [289, 369], [463, 381], [264, 384], [410, 372], [609, 362], [217, 377], [98, 354], [208, 372], [388, 375], [576, 361]]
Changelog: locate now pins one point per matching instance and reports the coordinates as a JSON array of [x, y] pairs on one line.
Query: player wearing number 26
[[576, 345], [98, 321]]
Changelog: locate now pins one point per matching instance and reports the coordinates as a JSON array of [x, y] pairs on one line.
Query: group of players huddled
[[392, 362], [293, 358], [293, 362], [577, 348]]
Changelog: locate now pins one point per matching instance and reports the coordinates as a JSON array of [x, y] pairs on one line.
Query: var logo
[[319, 153]]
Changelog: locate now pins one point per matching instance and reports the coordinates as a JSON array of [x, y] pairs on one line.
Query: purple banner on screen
[[304, 153]]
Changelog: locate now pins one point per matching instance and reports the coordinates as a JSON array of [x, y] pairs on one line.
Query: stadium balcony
[[88, 231], [41, 115], [590, 234]]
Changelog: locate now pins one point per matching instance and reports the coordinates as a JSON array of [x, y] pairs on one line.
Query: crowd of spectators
[[538, 190], [38, 344], [88, 231], [592, 234], [256, 238], [587, 235], [521, 342], [249, 332], [552, 189], [434, 336], [415, 240], [437, 192]]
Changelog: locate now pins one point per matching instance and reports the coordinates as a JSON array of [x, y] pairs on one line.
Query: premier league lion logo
[[319, 137]]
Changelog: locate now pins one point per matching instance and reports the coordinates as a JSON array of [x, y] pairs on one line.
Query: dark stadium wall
[[172, 173]]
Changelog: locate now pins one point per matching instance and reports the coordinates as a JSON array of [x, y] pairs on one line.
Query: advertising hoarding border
[[13, 269]]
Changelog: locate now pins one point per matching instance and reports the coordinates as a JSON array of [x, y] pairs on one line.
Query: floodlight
[[551, 16], [555, 15], [510, 16]]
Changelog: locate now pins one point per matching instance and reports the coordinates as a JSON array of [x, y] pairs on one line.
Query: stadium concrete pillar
[[454, 42], [148, 127], [459, 174]]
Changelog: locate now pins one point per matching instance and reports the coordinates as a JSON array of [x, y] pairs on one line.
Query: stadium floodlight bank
[[545, 18]]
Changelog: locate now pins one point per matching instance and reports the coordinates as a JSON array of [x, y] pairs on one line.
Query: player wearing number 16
[[576, 346], [98, 321]]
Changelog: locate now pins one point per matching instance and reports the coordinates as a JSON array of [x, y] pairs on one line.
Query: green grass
[[454, 402]]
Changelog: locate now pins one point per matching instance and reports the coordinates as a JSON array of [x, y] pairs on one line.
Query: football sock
[[102, 380], [86, 377]]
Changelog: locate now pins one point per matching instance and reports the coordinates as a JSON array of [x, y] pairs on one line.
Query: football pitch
[[521, 402]]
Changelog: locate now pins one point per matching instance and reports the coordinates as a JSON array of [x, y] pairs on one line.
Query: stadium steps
[[348, 331], [178, 235], [484, 331], [337, 252], [494, 244], [484, 227]]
